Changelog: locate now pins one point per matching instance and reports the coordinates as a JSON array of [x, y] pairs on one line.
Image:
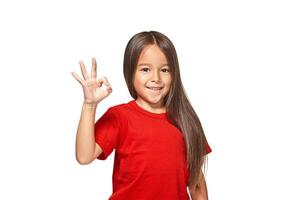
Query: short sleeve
[[208, 149], [107, 133]]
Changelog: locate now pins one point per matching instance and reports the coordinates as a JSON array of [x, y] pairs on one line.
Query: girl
[[160, 146]]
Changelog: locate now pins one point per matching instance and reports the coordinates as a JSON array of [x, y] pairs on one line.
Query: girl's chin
[[154, 100]]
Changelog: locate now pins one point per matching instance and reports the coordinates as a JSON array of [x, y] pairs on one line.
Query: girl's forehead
[[152, 54]]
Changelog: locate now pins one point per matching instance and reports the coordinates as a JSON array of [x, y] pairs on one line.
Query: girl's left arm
[[199, 192]]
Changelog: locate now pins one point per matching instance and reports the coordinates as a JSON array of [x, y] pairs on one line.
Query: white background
[[239, 62]]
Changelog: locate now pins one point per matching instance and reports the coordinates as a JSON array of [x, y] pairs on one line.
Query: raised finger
[[94, 68], [83, 70], [77, 77], [108, 90], [105, 81], [102, 80]]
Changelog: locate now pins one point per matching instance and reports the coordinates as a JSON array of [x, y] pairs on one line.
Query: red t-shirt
[[150, 160]]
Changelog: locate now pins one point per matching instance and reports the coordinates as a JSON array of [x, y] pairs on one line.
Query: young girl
[[160, 147]]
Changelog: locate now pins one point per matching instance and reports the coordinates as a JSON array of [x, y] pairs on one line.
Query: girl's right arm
[[87, 149], [85, 139]]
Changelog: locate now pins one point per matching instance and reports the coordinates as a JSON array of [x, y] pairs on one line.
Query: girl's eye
[[145, 69], [165, 70]]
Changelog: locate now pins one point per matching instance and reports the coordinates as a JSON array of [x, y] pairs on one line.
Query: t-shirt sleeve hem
[[103, 155], [208, 149]]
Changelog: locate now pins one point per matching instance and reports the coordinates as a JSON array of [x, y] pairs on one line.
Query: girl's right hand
[[92, 87]]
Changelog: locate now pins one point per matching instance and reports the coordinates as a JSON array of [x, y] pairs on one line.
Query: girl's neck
[[154, 108]]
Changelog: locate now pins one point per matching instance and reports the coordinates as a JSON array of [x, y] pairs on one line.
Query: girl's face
[[152, 78]]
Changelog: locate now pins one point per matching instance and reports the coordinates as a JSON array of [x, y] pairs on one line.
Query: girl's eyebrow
[[151, 64], [144, 64]]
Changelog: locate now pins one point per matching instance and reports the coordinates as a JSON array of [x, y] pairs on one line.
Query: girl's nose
[[155, 76]]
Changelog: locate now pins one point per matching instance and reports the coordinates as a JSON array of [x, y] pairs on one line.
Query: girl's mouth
[[154, 88]]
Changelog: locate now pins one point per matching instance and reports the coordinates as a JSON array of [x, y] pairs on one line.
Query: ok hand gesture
[[92, 87]]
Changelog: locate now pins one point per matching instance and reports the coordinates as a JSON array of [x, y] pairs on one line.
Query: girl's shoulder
[[121, 109]]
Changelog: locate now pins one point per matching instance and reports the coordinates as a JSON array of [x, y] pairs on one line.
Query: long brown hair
[[179, 109]]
